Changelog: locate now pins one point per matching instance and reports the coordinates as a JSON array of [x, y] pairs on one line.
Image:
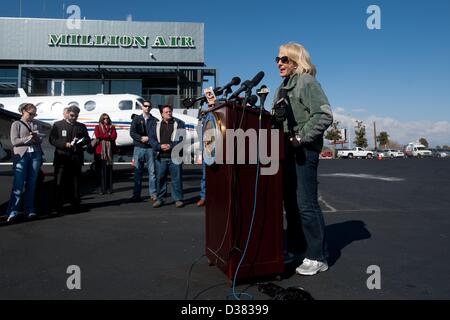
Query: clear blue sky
[[401, 71]]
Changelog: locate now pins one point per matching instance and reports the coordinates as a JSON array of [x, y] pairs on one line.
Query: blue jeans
[[142, 156], [203, 182], [26, 170], [163, 166], [303, 213]]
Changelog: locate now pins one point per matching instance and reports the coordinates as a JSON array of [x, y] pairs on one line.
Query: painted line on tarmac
[[362, 176], [330, 208]]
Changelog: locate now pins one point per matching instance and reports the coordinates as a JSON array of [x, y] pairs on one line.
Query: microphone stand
[[226, 93], [248, 92]]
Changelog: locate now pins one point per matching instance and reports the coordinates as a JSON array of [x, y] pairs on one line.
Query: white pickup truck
[[355, 153]]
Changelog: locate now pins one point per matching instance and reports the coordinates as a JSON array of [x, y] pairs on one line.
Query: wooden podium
[[230, 192]]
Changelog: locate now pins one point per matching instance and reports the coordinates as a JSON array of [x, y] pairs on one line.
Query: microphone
[[262, 93], [248, 85], [189, 102], [226, 88], [244, 86], [257, 79]]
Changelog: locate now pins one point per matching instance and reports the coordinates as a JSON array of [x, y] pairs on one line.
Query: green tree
[[446, 147], [383, 139], [334, 134], [360, 135], [424, 142]]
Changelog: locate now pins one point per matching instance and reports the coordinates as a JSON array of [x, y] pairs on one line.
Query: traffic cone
[[380, 157]]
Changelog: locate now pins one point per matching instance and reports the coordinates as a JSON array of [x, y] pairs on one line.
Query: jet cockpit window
[[139, 103], [126, 105], [89, 105]]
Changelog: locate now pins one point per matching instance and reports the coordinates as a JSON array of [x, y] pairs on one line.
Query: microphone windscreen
[[257, 79], [235, 81]]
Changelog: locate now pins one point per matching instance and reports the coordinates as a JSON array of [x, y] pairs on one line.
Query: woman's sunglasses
[[283, 59]]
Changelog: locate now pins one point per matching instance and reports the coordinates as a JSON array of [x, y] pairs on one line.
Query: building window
[[8, 75], [89, 105], [126, 105], [126, 86], [82, 87]]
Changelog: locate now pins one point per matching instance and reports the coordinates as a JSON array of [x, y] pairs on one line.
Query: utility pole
[[20, 8], [374, 135]]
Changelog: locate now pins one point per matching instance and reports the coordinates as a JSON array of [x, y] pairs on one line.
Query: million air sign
[[50, 40], [115, 41]]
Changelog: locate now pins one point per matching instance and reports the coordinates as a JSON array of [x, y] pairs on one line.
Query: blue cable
[[251, 224]]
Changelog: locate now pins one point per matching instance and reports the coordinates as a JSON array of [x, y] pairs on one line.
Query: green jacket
[[310, 109]]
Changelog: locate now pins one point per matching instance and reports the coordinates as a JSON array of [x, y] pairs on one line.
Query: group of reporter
[[153, 142]]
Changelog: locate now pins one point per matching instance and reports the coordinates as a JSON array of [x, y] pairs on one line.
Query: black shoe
[[135, 199]]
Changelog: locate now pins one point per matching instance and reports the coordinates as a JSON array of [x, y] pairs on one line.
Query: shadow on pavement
[[339, 236]]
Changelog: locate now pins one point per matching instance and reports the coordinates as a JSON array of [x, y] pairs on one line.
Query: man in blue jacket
[[143, 152], [164, 136]]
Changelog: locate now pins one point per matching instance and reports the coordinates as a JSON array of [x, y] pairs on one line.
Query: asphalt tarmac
[[391, 216]]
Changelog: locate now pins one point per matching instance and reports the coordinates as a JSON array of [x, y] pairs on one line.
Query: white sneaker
[[311, 267]]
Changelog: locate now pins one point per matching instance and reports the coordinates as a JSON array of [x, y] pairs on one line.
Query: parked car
[[441, 153], [326, 154], [390, 153]]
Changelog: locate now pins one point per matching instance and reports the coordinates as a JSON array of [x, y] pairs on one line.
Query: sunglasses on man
[[283, 59]]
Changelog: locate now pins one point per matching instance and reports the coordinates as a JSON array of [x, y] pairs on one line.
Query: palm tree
[[383, 139]]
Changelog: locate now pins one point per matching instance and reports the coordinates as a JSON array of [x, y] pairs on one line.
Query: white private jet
[[120, 107]]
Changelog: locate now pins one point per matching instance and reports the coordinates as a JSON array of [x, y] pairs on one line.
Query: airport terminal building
[[160, 61]]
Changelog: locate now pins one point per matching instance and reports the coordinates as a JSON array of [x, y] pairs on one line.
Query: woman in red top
[[106, 135]]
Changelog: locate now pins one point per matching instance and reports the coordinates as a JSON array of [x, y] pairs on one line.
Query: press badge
[[64, 133]]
